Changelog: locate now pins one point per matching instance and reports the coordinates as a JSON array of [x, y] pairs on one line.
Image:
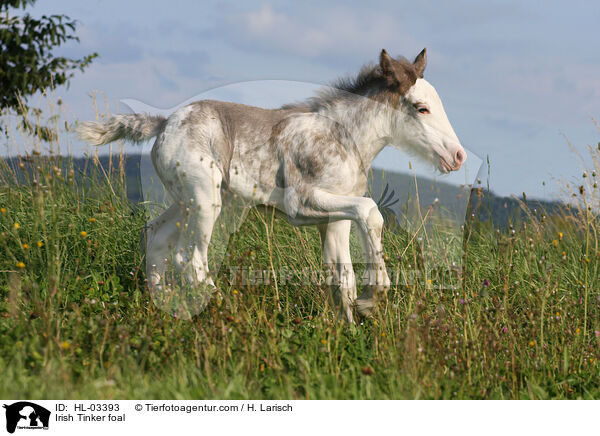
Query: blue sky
[[514, 76]]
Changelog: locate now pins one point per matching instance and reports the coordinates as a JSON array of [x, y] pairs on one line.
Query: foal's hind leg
[[161, 236], [201, 197]]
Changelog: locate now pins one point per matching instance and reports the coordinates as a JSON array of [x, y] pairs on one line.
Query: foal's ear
[[420, 63], [387, 69]]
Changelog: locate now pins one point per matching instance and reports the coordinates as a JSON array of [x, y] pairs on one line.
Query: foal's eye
[[423, 109]]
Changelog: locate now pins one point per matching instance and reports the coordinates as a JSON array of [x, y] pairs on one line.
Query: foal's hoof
[[365, 307]]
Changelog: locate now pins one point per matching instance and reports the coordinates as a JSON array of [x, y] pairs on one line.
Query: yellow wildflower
[[92, 220], [20, 265], [25, 246], [3, 210], [40, 244], [560, 236], [83, 233], [65, 345], [16, 225]]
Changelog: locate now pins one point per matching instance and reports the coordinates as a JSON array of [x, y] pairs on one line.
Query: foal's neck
[[367, 122]]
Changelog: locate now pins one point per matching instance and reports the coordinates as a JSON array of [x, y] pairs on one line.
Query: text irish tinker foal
[[309, 160]]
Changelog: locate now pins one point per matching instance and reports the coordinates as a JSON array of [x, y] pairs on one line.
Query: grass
[[76, 320]]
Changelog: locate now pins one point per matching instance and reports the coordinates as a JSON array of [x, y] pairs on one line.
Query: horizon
[[428, 178]]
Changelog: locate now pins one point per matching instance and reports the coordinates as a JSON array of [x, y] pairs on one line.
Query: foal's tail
[[134, 128]]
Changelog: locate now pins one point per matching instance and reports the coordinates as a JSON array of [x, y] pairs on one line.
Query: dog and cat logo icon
[[26, 415]]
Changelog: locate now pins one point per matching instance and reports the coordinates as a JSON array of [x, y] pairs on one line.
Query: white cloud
[[333, 32]]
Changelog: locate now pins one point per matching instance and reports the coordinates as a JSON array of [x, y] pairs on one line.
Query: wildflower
[[367, 370], [92, 220], [83, 233], [25, 246], [531, 343], [486, 283], [40, 244], [16, 225], [597, 333], [20, 265], [235, 291], [560, 236], [3, 210], [504, 329], [383, 334], [558, 314], [178, 224], [578, 330], [65, 345], [324, 341], [555, 242]]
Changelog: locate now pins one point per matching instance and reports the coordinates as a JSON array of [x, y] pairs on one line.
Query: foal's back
[[234, 130]]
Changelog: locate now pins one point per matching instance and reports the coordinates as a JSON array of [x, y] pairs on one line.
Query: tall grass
[[76, 319]]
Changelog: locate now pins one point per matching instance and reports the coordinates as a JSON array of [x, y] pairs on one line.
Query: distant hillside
[[482, 203], [402, 190]]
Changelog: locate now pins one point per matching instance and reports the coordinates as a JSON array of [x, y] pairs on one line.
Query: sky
[[519, 80]]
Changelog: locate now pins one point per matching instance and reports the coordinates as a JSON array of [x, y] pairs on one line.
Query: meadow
[[77, 321]]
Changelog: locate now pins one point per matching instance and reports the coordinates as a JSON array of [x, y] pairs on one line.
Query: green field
[[76, 320]]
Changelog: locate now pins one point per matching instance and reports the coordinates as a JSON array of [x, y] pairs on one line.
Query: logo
[[26, 415]]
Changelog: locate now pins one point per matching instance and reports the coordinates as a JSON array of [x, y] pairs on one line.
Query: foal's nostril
[[459, 157]]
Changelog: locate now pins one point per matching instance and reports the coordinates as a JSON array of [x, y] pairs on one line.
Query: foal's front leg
[[365, 213], [335, 240], [375, 276]]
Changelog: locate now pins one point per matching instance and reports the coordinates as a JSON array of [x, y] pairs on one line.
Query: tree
[[26, 61]]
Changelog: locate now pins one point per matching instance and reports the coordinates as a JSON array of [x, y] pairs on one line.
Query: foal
[[309, 160]]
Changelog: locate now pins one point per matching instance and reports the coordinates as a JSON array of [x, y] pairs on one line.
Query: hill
[[403, 190]]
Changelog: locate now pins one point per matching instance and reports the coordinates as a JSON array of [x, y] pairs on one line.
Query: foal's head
[[420, 123]]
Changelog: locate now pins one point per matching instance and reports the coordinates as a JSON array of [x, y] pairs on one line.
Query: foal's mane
[[369, 82]]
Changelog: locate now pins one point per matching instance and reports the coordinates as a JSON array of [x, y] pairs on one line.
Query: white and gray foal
[[309, 160]]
